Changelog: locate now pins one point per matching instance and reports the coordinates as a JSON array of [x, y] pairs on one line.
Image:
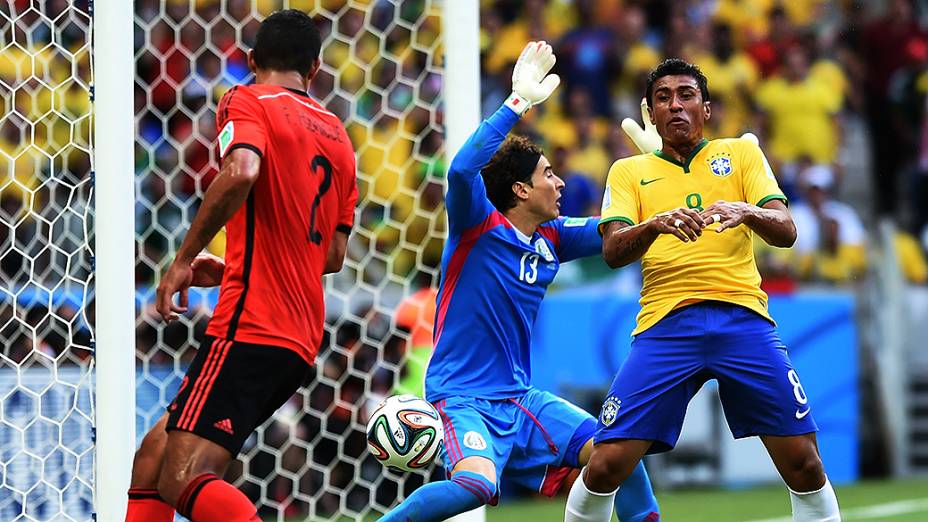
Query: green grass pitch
[[901, 500]]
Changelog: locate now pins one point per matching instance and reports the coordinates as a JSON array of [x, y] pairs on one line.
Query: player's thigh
[[552, 433], [650, 393], [760, 390], [476, 430], [146, 466], [553, 430], [231, 388]]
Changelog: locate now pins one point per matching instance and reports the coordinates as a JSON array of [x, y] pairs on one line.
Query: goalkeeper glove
[[646, 139], [531, 83]]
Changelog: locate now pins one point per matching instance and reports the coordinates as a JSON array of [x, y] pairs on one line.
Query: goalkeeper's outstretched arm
[[466, 200]]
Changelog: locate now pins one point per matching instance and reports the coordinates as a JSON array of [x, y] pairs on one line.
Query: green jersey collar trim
[[689, 159]]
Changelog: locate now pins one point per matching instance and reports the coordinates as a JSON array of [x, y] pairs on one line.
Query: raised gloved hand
[[646, 139], [531, 83]]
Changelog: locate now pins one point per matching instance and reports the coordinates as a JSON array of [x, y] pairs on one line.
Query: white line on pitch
[[869, 512]]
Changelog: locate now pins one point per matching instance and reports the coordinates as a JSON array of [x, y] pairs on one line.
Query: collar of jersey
[[689, 159], [297, 91], [522, 237]]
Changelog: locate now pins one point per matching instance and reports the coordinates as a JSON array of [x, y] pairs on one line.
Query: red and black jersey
[[277, 242]]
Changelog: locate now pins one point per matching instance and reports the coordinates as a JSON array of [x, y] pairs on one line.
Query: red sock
[[145, 505], [210, 499]]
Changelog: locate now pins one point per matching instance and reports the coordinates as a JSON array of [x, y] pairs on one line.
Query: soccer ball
[[405, 432]]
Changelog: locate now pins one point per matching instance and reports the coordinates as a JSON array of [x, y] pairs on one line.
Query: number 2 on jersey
[[319, 161]]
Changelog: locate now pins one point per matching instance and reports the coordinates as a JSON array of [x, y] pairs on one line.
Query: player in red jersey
[[286, 194]]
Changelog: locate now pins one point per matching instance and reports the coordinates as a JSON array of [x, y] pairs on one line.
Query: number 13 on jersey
[[528, 268]]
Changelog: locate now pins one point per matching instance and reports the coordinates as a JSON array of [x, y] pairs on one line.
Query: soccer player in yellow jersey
[[689, 211]]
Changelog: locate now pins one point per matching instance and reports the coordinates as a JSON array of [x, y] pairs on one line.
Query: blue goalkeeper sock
[[635, 500], [440, 500]]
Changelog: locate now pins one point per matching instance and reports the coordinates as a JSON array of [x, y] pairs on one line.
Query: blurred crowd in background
[[836, 92]]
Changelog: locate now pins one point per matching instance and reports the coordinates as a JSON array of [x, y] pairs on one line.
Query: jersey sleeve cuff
[[343, 228], [504, 119], [248, 146], [604, 221], [772, 197]]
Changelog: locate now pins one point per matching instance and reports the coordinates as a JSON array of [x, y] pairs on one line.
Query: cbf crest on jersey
[[720, 164], [609, 411]]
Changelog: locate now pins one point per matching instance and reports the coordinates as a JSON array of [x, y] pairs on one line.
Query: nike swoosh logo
[[648, 182], [801, 414]]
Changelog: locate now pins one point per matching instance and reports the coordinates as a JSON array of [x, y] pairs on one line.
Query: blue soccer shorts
[[534, 439], [669, 362]]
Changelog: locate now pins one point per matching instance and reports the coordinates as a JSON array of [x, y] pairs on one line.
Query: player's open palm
[[207, 270], [727, 214], [645, 137], [685, 223], [530, 78], [178, 278]]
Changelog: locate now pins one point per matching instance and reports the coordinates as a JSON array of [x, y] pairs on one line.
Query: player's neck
[[523, 220], [681, 151], [287, 79]]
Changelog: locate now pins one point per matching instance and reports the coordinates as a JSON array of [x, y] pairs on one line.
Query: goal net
[[46, 364], [382, 75]]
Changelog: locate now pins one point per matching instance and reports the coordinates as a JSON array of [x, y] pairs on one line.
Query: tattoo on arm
[[629, 247]]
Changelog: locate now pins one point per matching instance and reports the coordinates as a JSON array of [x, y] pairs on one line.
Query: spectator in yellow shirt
[[831, 241], [800, 112], [733, 77]]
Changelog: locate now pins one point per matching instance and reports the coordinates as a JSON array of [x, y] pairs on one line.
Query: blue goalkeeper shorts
[[669, 362], [534, 439]]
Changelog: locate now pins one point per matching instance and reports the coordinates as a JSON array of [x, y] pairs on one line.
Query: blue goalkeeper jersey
[[493, 279]]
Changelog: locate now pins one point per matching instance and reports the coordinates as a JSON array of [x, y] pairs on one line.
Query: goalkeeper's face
[[678, 110], [543, 195]]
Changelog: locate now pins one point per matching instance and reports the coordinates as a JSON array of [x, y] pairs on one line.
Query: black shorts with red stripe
[[231, 388]]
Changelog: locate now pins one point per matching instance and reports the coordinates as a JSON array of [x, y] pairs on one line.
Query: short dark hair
[[287, 41], [677, 67], [515, 160]]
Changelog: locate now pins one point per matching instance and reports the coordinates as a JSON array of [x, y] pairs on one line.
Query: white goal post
[[114, 254]]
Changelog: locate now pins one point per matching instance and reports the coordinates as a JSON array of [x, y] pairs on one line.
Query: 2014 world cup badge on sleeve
[[610, 410]]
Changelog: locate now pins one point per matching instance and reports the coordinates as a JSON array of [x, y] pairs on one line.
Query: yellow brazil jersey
[[716, 266]]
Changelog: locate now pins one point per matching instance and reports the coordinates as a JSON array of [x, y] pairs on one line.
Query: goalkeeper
[[505, 246]]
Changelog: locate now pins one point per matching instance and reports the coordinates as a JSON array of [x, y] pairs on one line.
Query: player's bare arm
[[335, 257], [624, 244], [224, 197], [772, 221]]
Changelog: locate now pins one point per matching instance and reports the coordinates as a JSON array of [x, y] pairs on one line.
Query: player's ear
[[707, 109], [252, 66], [521, 190], [313, 70], [651, 116]]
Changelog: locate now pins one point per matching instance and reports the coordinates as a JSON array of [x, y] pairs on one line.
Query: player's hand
[[531, 83], [646, 139], [207, 270], [177, 279], [728, 214], [685, 223]]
